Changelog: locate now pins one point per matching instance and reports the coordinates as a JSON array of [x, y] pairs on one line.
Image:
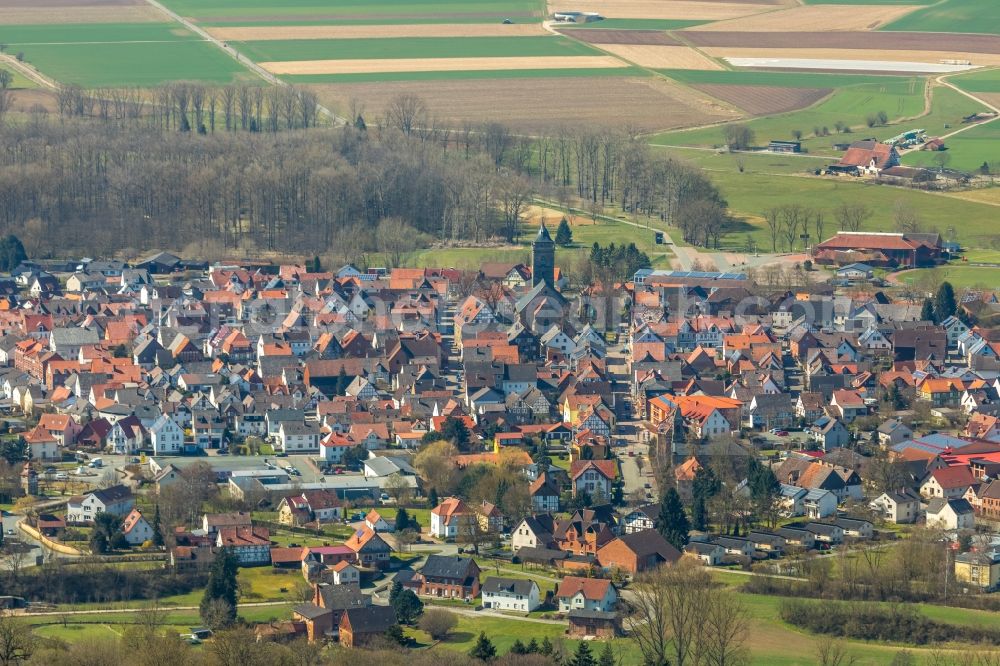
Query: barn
[[879, 249]]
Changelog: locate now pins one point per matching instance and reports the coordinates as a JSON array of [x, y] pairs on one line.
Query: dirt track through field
[[267, 33], [891, 41], [661, 57], [813, 17], [79, 14], [658, 9], [652, 104], [933, 57], [368, 66], [764, 100]]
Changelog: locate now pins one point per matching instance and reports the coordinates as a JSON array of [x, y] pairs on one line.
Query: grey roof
[[310, 611], [959, 506], [370, 620], [448, 566], [75, 336], [498, 585]]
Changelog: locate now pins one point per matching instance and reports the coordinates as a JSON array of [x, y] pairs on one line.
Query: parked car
[[62, 476]]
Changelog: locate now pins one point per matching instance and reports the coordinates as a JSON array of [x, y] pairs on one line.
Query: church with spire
[[543, 258]]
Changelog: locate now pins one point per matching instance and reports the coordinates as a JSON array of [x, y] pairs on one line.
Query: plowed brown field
[[652, 104], [764, 100]]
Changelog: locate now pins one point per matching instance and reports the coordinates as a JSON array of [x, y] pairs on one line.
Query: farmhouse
[[868, 157], [879, 249]]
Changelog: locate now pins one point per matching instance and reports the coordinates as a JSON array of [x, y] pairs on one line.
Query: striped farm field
[[355, 66], [813, 17], [666, 57], [120, 54], [209, 11], [91, 33], [413, 48], [396, 31], [683, 10]]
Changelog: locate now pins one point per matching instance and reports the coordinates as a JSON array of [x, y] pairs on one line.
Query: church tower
[[543, 258]]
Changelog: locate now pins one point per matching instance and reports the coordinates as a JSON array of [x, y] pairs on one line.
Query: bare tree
[[17, 642], [724, 630], [830, 652], [851, 216], [405, 112], [905, 217], [772, 216]]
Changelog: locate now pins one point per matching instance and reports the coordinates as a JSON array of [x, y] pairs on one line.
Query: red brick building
[[636, 552]]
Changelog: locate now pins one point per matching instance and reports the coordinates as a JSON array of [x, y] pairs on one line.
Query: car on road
[[780, 433], [631, 454], [647, 485], [10, 530], [62, 476]]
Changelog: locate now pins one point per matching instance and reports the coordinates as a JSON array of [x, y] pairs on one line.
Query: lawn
[[952, 16], [267, 583], [354, 9], [412, 47], [19, 81], [899, 97], [960, 277], [584, 236]]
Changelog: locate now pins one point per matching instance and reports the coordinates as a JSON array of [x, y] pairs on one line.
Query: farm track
[[239, 57], [29, 72]]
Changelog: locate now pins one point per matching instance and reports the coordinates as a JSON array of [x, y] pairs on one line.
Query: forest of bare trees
[[242, 169]]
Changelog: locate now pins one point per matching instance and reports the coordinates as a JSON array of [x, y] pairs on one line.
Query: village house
[[575, 593], [510, 594], [637, 552], [82, 509], [898, 506], [950, 514], [250, 545], [448, 576]]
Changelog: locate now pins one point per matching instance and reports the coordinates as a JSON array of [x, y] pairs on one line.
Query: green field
[[952, 16], [135, 64], [899, 97], [16, 36], [375, 77], [633, 24], [412, 47], [353, 9], [987, 80], [781, 79], [120, 54], [960, 277], [772, 180], [870, 2]]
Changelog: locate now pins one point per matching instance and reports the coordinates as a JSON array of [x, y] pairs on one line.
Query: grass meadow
[[899, 97], [773, 180]]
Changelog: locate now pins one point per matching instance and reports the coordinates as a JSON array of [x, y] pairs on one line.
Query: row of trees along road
[[112, 175]]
